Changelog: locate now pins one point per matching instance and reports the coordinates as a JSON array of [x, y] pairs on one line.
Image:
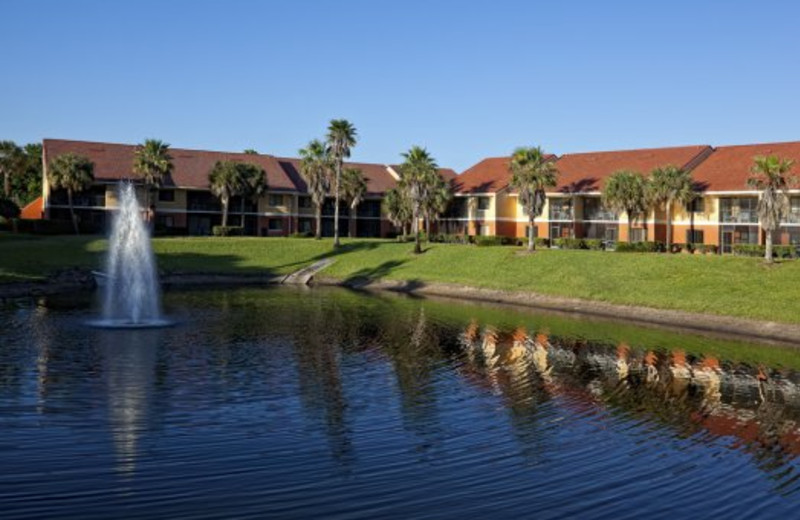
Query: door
[[727, 241]]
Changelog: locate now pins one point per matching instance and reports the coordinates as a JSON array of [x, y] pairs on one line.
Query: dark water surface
[[325, 403]]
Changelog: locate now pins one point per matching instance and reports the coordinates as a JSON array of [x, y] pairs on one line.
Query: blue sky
[[467, 80]]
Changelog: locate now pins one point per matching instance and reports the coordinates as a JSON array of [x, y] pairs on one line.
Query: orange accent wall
[[33, 211]]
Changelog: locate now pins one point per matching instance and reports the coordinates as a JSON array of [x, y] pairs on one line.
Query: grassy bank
[[711, 284]]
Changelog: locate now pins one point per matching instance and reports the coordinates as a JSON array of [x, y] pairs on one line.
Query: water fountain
[[131, 297]]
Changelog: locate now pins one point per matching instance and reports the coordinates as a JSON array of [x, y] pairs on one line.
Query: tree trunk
[[72, 213], [224, 212], [428, 229], [7, 183], [415, 229], [336, 209], [406, 230], [318, 231], [629, 229], [351, 225], [669, 226], [768, 246], [531, 241]]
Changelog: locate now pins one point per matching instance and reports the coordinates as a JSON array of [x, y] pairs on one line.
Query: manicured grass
[[724, 285]]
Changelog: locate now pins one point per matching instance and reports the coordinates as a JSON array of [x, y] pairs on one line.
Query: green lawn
[[712, 284]]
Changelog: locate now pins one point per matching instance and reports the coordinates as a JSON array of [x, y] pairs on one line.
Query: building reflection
[[747, 407]]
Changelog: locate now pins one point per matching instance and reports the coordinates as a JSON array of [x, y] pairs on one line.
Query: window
[[275, 200], [535, 231], [697, 205], [483, 203], [305, 225], [275, 224], [794, 236], [694, 236], [166, 195], [560, 209], [638, 235], [303, 202]]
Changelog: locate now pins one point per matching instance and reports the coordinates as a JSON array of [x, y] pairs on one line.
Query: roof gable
[[728, 167]]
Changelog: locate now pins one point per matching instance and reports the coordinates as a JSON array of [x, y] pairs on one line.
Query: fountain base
[[130, 325]]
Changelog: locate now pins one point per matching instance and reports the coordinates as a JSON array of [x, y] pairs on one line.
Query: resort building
[[723, 214], [185, 204]]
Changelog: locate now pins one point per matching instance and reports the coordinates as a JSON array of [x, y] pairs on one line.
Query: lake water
[[288, 403]]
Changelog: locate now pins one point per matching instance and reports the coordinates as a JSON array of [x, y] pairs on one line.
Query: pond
[[290, 403]]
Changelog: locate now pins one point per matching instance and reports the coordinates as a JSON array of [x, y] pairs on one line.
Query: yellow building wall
[[284, 205]]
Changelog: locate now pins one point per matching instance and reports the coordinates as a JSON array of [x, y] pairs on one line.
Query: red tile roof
[[378, 178], [585, 172], [191, 167], [728, 168], [488, 176]]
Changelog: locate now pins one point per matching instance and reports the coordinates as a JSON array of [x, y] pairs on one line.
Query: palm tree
[[254, 184], [152, 162], [225, 181], [73, 173], [250, 151], [771, 176], [398, 208], [354, 187], [531, 174], [315, 169], [626, 190], [341, 138], [670, 185], [440, 196], [418, 175], [12, 162]]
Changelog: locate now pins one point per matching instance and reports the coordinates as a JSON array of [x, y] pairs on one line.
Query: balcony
[[561, 214], [740, 217], [601, 215], [793, 217]]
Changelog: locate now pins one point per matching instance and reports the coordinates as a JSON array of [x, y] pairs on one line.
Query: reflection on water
[[328, 403], [129, 364]]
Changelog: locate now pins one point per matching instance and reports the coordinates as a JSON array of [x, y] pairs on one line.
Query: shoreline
[[79, 280]]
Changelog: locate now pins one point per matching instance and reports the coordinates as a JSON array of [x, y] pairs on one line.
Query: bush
[[570, 243], [705, 249], [54, 227], [595, 244], [8, 208], [446, 238], [301, 234], [493, 240], [166, 231], [678, 248], [227, 231], [640, 247], [749, 250], [782, 251]]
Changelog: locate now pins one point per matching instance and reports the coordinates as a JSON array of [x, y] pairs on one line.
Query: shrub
[[570, 243], [541, 242], [8, 208], [54, 227], [748, 250], [451, 238], [640, 247], [493, 240], [227, 231], [705, 249], [782, 251], [595, 244], [301, 234], [678, 248]]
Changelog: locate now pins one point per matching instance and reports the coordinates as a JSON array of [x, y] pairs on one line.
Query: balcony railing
[[601, 215], [792, 218], [560, 214], [740, 217]]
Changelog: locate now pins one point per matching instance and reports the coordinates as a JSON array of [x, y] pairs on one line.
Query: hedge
[[640, 247], [227, 231]]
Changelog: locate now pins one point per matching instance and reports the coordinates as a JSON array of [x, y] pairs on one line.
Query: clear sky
[[465, 79]]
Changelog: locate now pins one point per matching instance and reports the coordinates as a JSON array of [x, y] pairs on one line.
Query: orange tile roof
[[191, 167], [728, 168], [585, 172]]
